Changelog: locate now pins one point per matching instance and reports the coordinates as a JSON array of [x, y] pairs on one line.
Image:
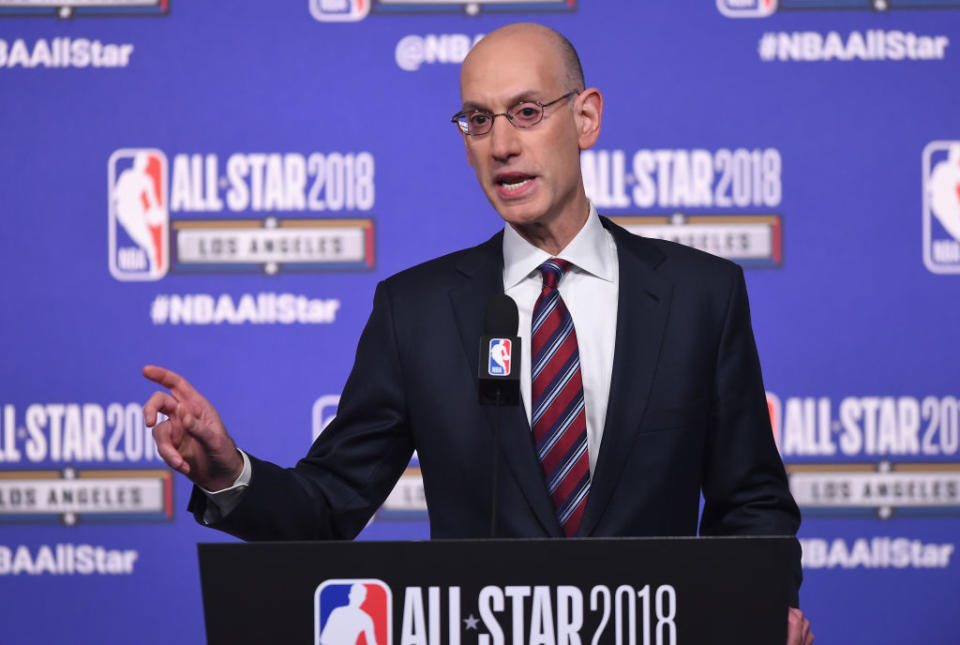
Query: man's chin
[[522, 221], [518, 212]]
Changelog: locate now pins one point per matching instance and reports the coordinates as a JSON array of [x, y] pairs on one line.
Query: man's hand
[[192, 440], [798, 628]]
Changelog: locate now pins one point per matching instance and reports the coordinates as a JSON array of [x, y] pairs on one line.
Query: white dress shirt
[[589, 288]]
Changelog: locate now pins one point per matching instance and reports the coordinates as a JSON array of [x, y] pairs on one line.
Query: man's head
[[530, 175]]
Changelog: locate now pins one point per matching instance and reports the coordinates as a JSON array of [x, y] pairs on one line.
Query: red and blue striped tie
[[558, 418]]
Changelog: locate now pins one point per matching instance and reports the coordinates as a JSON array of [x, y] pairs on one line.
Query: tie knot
[[552, 270]]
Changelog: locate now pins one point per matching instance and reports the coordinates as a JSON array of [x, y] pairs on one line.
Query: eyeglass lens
[[522, 115]]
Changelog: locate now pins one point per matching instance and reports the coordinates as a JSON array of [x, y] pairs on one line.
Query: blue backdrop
[[218, 188]]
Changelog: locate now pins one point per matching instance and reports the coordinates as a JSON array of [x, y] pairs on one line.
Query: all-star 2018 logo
[[353, 10], [871, 456], [941, 206], [765, 8], [73, 462], [254, 212], [723, 201]]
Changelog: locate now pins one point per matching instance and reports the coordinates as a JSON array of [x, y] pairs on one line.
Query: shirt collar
[[590, 250]]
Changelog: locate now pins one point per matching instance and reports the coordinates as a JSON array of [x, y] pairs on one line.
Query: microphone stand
[[493, 469]]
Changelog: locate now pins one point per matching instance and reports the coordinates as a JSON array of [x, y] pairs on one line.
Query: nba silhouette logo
[[340, 10], [139, 221], [747, 8], [353, 612], [941, 206], [499, 357]]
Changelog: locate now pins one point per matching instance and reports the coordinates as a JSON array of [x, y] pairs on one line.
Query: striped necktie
[[558, 419]]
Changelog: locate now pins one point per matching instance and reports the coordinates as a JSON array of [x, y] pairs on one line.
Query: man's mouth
[[510, 183]]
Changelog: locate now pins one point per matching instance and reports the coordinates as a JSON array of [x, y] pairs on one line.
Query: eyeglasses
[[524, 114]]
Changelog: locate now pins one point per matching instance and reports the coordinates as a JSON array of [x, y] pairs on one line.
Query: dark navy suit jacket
[[687, 413]]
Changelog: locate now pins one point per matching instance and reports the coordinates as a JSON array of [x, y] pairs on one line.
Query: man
[[643, 387]]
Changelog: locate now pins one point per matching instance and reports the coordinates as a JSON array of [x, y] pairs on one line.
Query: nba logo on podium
[[499, 364], [139, 220], [353, 612]]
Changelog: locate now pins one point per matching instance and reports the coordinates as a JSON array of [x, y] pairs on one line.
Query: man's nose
[[504, 139]]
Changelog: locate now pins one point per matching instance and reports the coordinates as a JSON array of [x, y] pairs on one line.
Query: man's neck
[[554, 234]]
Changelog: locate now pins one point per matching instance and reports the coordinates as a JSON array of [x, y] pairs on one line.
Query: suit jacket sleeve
[[745, 487], [353, 464]]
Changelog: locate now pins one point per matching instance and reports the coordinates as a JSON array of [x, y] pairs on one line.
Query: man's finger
[[163, 436], [798, 628], [158, 402], [180, 387], [794, 627], [208, 437]]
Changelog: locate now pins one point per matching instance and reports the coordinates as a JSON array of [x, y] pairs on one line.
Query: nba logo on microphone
[[941, 206], [340, 10], [353, 612], [500, 357], [139, 226]]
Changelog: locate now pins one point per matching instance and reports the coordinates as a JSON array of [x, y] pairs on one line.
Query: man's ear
[[589, 112]]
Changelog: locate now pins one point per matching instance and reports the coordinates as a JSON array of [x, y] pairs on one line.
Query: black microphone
[[498, 373]]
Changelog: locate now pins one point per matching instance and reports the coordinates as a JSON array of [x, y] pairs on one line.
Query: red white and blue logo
[[339, 10], [500, 357], [353, 612], [139, 218], [747, 8], [941, 206]]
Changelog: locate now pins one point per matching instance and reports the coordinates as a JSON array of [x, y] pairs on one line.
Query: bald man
[[641, 387]]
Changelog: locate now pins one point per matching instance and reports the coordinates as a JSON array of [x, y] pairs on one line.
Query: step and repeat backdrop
[[218, 187]]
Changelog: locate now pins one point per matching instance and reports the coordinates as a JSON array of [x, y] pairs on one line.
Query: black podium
[[636, 591]]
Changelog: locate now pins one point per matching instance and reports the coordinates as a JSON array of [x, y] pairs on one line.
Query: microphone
[[498, 375], [498, 372]]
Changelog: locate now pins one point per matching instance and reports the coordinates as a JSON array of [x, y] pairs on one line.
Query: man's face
[[530, 175]]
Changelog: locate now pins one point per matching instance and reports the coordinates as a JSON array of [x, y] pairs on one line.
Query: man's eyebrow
[[526, 95], [470, 105]]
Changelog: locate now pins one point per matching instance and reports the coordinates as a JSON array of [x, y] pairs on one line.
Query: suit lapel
[[642, 310], [482, 271]]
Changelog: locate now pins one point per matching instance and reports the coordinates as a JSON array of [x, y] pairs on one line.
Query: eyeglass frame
[[493, 115]]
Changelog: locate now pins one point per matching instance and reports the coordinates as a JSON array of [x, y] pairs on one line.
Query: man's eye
[[478, 120], [527, 112]]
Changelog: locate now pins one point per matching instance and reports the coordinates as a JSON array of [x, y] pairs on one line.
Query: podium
[[629, 591]]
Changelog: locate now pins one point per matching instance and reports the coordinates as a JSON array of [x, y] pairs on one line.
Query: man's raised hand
[[192, 440]]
